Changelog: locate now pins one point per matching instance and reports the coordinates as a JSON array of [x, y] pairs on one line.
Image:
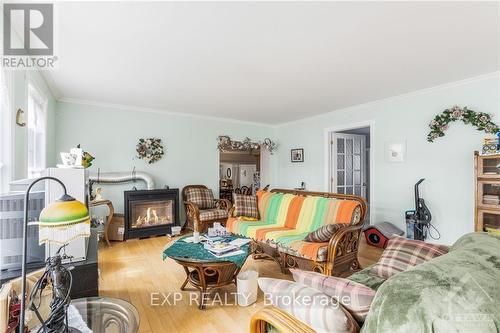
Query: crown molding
[[158, 111]]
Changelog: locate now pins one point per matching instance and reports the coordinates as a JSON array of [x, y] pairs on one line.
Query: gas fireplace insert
[[150, 212]]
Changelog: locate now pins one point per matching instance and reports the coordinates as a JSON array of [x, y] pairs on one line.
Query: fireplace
[[150, 212]]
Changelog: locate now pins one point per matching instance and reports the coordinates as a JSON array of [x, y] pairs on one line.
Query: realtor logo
[[37, 25], [28, 36]]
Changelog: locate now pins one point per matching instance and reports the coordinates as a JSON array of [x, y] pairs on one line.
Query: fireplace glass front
[[151, 213]]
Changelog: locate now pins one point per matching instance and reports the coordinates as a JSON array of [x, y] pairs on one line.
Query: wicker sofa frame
[[282, 321], [342, 255], [193, 221]]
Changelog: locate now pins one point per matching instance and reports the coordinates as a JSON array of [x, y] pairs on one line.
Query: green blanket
[[365, 277], [457, 292]]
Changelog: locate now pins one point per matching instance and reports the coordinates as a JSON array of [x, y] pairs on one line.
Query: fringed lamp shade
[[62, 221]]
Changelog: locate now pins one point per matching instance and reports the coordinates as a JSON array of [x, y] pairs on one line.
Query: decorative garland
[[482, 121], [150, 149], [226, 143]]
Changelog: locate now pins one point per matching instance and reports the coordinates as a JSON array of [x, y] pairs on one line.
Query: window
[[37, 125], [5, 132]]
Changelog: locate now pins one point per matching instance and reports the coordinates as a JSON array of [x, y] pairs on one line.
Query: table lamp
[[60, 222]]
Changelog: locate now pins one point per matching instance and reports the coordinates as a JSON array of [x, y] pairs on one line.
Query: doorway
[[239, 172], [349, 162]]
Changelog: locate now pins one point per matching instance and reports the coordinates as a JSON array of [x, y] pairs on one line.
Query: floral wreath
[[482, 121], [150, 149]]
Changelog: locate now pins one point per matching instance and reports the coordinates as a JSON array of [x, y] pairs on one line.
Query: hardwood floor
[[135, 271]]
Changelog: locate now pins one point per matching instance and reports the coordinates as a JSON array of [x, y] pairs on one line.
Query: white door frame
[[328, 158]]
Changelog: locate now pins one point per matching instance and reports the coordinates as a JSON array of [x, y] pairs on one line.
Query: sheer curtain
[[37, 126], [5, 131]]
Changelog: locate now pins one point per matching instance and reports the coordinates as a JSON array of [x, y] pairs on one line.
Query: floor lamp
[[60, 222]]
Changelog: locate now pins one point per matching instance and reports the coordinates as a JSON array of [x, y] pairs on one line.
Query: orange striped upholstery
[[286, 220]]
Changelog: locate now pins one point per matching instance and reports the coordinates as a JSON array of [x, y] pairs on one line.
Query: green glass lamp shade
[[66, 210], [63, 221]]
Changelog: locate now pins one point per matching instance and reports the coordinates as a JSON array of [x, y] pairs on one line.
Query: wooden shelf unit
[[487, 182]]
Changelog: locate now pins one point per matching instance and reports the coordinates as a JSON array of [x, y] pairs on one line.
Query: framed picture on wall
[[297, 155]]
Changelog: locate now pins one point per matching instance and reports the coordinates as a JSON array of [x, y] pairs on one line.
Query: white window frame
[[6, 130], [36, 130]]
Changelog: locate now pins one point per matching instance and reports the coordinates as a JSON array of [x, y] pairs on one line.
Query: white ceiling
[[267, 62]]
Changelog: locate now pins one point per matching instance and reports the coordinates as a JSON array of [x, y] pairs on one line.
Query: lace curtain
[[37, 127]]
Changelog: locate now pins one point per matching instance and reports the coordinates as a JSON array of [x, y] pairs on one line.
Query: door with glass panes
[[348, 174]]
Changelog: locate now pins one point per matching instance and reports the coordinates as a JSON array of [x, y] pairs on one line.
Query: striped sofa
[[287, 217]]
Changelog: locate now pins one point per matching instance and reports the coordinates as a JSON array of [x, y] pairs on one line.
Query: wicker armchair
[[200, 219]]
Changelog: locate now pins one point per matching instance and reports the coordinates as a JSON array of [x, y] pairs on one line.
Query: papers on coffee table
[[229, 254], [219, 248], [239, 242], [191, 239], [225, 248]]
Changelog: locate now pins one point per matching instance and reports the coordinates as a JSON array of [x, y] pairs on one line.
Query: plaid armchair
[[202, 210]]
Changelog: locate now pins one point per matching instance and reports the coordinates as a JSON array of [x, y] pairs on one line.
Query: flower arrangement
[[150, 149], [480, 120]]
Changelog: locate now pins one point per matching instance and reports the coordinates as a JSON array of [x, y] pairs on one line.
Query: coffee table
[[204, 271]]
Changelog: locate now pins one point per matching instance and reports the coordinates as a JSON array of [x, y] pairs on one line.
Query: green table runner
[[182, 250]]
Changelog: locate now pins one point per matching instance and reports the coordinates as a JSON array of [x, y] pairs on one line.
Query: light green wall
[[111, 135], [447, 164]]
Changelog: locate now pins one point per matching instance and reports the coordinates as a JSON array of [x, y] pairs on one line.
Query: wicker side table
[[206, 276], [110, 216]]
